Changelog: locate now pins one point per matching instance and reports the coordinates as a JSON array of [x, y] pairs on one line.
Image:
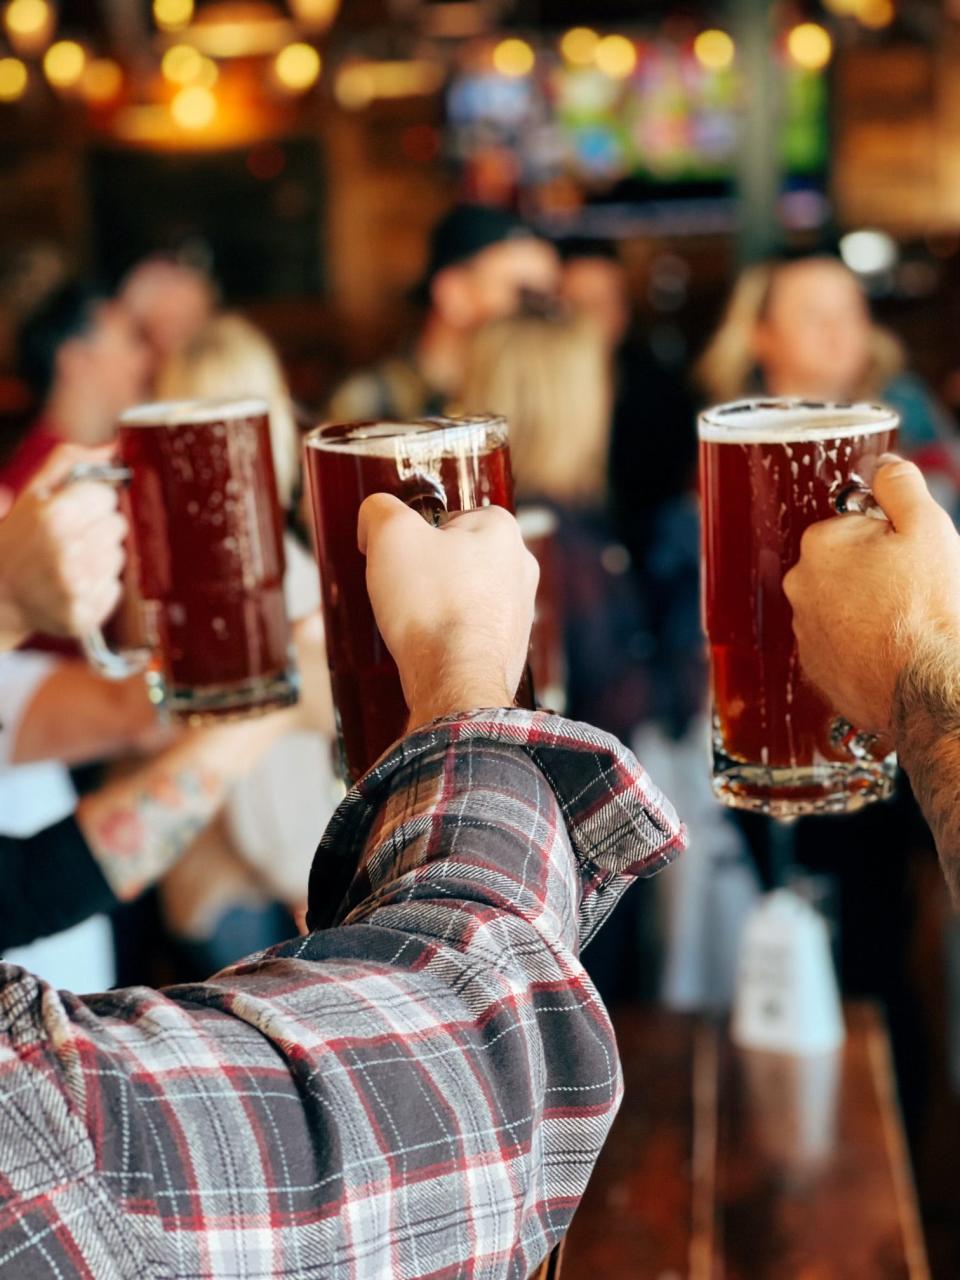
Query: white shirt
[[34, 796]]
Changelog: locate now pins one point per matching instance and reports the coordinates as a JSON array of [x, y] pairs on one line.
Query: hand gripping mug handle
[[855, 498], [106, 661]]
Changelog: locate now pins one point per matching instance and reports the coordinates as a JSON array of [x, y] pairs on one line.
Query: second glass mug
[[435, 465], [768, 470], [206, 558]]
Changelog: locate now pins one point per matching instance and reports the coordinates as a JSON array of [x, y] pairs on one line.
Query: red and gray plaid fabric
[[417, 1088]]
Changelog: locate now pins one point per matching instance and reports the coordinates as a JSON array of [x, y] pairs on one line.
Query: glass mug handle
[[856, 499], [103, 659]]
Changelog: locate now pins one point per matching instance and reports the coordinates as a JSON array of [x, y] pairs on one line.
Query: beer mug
[[768, 469], [436, 466], [206, 559]]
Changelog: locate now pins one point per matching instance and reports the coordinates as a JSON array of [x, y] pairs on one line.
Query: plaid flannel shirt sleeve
[[418, 1088]]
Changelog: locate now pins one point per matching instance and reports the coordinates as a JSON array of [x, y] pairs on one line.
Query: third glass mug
[[768, 469], [435, 465]]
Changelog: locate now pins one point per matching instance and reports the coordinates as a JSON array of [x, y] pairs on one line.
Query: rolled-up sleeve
[[419, 1087]]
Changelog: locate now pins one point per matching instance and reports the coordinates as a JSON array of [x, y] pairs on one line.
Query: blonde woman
[[804, 328], [235, 890], [550, 378], [230, 357]]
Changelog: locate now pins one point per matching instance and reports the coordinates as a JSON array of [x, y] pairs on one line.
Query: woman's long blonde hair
[[726, 370], [231, 357], [550, 378]]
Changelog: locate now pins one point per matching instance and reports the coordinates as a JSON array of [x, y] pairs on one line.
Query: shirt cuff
[[620, 825]]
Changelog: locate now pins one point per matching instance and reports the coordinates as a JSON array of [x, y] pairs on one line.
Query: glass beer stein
[[768, 469]]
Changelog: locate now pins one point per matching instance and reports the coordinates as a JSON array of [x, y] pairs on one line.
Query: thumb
[[901, 490], [379, 510]]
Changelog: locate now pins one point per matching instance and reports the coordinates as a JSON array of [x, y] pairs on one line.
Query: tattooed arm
[[876, 611], [927, 733], [128, 833], [138, 825]]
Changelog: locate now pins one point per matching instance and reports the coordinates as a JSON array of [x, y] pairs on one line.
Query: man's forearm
[[927, 731]]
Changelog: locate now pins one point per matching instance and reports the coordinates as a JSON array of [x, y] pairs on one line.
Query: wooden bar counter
[[733, 1165]]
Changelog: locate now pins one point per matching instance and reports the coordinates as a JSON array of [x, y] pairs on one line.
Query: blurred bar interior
[[299, 152]]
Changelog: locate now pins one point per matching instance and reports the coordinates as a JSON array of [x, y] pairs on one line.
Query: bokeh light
[[27, 17], [101, 81], [171, 14], [194, 107], [616, 56], [514, 57], [63, 63], [355, 87], [297, 66], [13, 79], [182, 64], [714, 49], [579, 45], [877, 14], [810, 46], [315, 13]]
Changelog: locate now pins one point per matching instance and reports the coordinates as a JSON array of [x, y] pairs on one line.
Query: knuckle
[[900, 469]]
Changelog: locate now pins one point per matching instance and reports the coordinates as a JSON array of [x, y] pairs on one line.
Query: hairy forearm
[[927, 731], [139, 825]]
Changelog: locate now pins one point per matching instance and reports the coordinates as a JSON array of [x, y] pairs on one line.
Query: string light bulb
[[616, 56], [876, 14], [579, 45], [714, 49], [194, 107], [316, 14], [63, 63], [13, 79], [181, 64], [514, 57], [810, 46], [101, 81], [297, 67], [169, 15], [29, 24]]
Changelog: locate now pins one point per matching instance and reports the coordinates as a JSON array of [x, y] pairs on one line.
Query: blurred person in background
[[653, 447], [243, 880], [63, 863], [702, 903], [482, 263], [169, 302], [804, 328], [84, 361], [121, 836], [549, 374], [56, 711]]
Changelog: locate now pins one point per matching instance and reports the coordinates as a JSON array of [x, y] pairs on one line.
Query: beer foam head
[[182, 413], [382, 439], [792, 421]]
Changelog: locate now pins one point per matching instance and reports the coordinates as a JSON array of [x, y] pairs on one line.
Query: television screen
[[671, 123]]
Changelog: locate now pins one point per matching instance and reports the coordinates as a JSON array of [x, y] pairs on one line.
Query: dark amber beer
[[768, 469], [206, 557], [437, 466]]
